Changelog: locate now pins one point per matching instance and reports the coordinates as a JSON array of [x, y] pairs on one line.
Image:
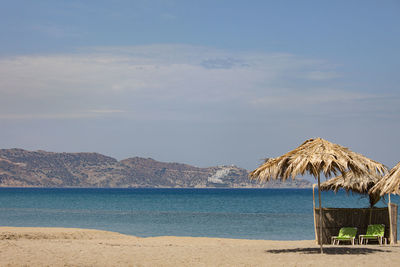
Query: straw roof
[[353, 183], [390, 184], [350, 182], [315, 156]]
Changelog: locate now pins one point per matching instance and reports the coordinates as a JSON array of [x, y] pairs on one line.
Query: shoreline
[[38, 246], [47, 232]]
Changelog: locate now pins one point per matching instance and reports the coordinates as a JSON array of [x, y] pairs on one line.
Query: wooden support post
[[390, 221], [315, 218], [393, 223], [320, 214]]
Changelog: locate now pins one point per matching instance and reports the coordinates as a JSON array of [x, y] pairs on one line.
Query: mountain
[[22, 168]]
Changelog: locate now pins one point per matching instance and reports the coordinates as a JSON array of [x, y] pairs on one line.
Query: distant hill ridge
[[22, 168]]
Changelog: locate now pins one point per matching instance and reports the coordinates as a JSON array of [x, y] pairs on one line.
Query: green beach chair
[[345, 234], [375, 232]]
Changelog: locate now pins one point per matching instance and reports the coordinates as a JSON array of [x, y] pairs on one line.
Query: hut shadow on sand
[[347, 250]]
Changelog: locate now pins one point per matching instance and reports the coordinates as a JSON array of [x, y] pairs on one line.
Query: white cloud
[[162, 81]]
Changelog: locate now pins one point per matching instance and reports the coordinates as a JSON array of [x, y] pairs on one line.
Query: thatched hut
[[390, 184], [359, 217], [313, 157], [356, 184]]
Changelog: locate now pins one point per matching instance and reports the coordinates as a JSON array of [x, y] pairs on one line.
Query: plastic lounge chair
[[375, 232], [345, 234]]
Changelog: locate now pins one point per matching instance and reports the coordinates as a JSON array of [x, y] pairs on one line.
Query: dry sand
[[81, 247]]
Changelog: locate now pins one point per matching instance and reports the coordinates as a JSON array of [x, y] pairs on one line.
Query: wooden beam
[[315, 219]]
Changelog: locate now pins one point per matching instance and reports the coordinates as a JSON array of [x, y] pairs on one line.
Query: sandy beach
[[81, 247]]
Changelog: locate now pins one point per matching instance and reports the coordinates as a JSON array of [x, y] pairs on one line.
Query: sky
[[206, 83]]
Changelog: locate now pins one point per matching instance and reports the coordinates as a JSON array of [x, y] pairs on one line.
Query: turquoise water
[[274, 214]]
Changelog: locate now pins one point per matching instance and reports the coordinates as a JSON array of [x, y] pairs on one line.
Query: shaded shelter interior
[[335, 218]]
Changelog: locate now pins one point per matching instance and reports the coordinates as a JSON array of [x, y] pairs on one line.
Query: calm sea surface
[[275, 214]]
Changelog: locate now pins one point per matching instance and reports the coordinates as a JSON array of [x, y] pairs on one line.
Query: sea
[[272, 214]]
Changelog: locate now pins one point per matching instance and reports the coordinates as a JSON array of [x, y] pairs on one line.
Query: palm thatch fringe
[[357, 184], [313, 157], [390, 184]]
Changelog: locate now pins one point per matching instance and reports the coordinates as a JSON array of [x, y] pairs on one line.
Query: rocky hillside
[[22, 168]]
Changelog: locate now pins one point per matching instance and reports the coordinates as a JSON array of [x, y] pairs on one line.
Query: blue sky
[[200, 82]]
